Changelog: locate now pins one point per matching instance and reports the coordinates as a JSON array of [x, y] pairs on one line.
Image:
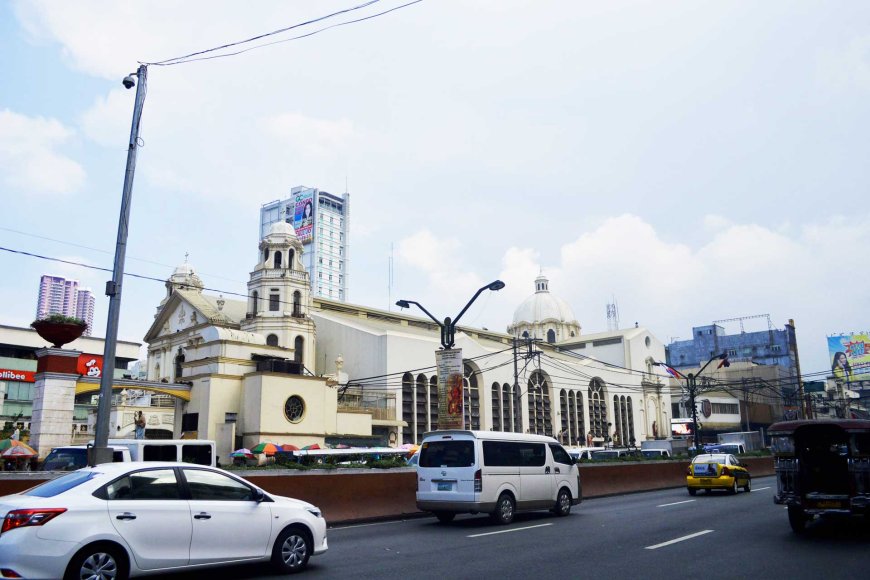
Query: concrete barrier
[[347, 495]]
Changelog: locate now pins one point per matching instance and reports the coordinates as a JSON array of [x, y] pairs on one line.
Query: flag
[[672, 371]]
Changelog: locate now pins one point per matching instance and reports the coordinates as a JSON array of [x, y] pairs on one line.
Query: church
[[290, 368]]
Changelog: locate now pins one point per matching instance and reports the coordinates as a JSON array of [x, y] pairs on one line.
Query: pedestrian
[[16, 435], [589, 439], [140, 425]]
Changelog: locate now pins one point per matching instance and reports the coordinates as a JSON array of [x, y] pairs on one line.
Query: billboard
[[450, 385], [90, 365], [300, 214], [850, 357]]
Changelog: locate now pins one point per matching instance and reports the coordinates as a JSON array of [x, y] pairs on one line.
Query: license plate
[[829, 504], [444, 486], [705, 480]]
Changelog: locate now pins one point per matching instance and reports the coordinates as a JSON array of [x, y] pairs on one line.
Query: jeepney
[[822, 468]]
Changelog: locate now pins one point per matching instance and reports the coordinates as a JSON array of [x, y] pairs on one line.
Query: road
[[663, 534]]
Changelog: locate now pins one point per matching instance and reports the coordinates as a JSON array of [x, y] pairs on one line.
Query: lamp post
[[448, 361], [692, 387], [448, 327]]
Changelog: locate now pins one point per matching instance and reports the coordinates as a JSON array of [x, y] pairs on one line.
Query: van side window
[[159, 453], [533, 454], [196, 453], [560, 455]]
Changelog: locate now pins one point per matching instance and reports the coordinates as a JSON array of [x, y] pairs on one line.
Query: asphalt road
[[664, 534]]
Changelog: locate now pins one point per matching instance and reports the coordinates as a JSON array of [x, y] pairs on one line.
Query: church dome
[[543, 312], [282, 228], [184, 276]]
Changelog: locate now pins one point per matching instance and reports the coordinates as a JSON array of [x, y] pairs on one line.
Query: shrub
[[61, 319]]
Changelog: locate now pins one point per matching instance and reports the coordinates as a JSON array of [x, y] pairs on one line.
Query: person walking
[[140, 425]]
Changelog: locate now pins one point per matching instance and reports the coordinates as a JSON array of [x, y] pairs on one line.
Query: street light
[[692, 387], [448, 327]]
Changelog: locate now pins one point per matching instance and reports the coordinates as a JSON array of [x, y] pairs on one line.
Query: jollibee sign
[[13, 375], [90, 365]]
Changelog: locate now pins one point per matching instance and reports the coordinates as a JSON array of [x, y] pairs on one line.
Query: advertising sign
[[90, 365], [450, 411], [850, 357], [300, 214], [14, 375]]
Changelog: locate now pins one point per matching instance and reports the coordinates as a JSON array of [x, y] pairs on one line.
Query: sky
[[691, 161]]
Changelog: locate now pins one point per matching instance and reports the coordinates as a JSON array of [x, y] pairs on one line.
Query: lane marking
[[677, 503], [508, 531], [684, 538], [760, 488], [366, 525]]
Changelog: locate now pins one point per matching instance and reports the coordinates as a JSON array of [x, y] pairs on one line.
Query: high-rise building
[[85, 308], [322, 224], [57, 295]]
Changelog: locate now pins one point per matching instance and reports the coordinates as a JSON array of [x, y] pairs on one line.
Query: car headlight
[[314, 511]]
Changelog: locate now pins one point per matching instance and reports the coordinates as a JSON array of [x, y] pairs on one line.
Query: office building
[[57, 295], [322, 224]]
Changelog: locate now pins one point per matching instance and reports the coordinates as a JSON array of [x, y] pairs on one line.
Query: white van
[[200, 451], [72, 457], [495, 473]]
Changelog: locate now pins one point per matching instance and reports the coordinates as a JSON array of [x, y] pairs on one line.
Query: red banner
[[12, 375], [90, 365]]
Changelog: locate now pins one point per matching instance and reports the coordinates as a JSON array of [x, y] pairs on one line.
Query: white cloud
[[29, 158], [846, 67], [317, 136]]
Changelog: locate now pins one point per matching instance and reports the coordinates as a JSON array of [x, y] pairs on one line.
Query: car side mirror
[[744, 465], [258, 496]]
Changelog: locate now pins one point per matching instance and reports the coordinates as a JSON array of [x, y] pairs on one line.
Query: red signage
[[12, 375], [90, 365]]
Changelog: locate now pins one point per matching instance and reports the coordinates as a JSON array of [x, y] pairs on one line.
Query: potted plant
[[59, 329]]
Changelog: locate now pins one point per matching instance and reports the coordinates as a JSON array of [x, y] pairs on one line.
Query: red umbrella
[[311, 447], [289, 447], [20, 451]]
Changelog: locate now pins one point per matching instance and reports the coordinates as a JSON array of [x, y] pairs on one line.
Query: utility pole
[[692, 392], [797, 366], [515, 399], [101, 453]]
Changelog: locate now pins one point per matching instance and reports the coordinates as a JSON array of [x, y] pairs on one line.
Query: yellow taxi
[[717, 471]]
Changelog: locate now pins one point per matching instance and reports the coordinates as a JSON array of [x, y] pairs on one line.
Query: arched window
[[564, 430], [256, 301], [507, 408], [408, 407], [299, 349], [433, 402], [277, 259], [577, 419], [272, 340], [291, 257], [496, 408], [421, 410], [179, 359], [617, 422], [525, 334], [551, 336], [540, 417], [598, 408], [297, 304], [265, 255], [471, 397], [630, 421]]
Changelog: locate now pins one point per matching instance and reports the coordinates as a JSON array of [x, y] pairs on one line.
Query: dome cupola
[[545, 316]]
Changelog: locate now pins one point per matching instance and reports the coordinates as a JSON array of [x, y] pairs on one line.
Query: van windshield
[[447, 454], [65, 460]]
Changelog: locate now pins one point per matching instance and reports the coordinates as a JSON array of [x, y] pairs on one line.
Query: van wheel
[[563, 503], [504, 510], [445, 517]]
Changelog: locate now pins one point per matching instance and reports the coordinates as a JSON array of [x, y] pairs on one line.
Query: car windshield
[[709, 459], [61, 484], [65, 460]]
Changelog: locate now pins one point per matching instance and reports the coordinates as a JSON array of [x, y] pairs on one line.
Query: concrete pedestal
[[53, 399]]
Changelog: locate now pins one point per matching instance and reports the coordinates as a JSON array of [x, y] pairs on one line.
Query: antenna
[[612, 315]]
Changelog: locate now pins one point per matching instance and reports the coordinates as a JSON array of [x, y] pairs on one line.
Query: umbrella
[[342, 446], [411, 451], [288, 447], [7, 443], [310, 447], [243, 452], [20, 451], [265, 447]]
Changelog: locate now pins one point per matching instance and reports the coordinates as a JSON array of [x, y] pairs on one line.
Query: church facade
[[286, 367]]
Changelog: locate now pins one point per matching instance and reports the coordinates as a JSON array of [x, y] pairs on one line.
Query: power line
[[190, 57]]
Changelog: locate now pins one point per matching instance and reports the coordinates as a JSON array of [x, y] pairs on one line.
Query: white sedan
[[118, 520]]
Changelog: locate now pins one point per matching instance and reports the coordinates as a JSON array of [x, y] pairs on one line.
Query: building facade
[[321, 221], [288, 366], [58, 295]]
